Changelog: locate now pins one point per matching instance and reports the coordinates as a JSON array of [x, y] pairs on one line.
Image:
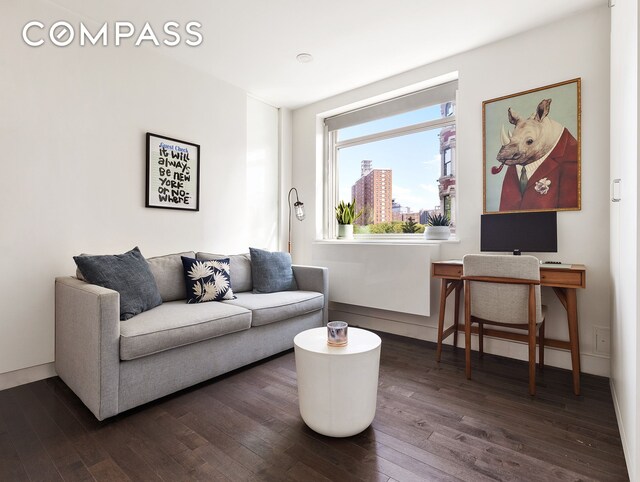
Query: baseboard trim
[[623, 436], [26, 375], [555, 357]]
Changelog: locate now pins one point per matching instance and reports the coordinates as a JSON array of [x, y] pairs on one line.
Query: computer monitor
[[519, 232]]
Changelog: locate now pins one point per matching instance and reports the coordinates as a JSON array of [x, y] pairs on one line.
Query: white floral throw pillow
[[207, 280]]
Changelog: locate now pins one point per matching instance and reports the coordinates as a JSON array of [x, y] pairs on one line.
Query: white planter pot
[[345, 231], [437, 232]]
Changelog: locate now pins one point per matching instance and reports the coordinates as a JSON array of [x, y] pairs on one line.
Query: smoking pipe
[[497, 169]]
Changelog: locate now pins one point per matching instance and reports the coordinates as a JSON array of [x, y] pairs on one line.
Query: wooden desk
[[564, 282]]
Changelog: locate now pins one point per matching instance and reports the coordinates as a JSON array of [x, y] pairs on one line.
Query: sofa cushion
[[240, 269], [176, 323], [169, 275], [271, 271], [271, 307], [128, 274]]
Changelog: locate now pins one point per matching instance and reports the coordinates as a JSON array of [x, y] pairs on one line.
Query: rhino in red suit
[[554, 182]]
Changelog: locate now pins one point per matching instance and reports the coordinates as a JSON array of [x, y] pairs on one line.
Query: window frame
[[331, 172]]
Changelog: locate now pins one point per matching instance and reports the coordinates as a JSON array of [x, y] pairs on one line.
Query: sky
[[414, 158]]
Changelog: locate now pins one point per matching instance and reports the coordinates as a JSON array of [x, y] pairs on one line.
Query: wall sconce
[[298, 207]]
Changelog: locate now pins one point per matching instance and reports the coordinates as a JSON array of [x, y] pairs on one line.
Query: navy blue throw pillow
[[207, 280], [128, 274], [271, 271]]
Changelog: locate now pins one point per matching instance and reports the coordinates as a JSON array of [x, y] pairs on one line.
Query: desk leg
[[572, 317], [467, 329], [443, 306], [457, 314]]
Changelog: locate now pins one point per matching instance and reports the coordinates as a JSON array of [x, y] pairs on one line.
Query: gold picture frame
[[544, 136]]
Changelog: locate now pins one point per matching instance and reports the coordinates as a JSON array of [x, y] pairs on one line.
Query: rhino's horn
[[504, 137]]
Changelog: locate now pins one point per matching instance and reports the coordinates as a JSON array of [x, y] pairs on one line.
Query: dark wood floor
[[431, 424]]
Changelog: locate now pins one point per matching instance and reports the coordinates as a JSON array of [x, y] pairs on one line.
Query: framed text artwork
[[531, 150], [173, 173]]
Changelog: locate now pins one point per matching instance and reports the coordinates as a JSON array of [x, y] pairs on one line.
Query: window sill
[[390, 241]]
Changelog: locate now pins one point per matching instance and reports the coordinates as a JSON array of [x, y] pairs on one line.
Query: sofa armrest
[[314, 278], [88, 343]]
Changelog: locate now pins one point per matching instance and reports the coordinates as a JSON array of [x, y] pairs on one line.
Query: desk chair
[[504, 291]]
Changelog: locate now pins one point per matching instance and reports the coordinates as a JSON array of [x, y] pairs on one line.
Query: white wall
[[263, 175], [72, 133], [625, 361], [286, 161], [576, 47]]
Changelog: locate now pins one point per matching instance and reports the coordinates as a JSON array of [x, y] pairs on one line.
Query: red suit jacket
[[553, 185]]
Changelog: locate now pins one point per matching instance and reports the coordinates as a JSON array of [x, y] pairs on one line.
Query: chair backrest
[[504, 303]]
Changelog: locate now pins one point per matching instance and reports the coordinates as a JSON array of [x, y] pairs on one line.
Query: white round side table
[[337, 386]]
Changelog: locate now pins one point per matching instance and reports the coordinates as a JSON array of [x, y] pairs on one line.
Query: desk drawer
[[563, 278], [446, 270]]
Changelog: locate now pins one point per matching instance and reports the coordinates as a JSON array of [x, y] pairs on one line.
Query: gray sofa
[[115, 365]]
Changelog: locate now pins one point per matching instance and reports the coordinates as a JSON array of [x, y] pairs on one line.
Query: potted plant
[[438, 226], [346, 216]]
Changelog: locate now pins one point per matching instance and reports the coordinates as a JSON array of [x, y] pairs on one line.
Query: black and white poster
[[173, 173]]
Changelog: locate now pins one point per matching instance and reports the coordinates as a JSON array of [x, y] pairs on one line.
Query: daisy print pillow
[[207, 280]]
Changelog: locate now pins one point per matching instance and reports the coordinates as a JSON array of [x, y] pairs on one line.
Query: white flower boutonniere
[[542, 186]]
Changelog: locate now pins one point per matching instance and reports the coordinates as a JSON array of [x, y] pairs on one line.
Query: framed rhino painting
[[531, 150]]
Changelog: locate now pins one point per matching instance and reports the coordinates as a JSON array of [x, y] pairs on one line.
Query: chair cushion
[[169, 275], [271, 307], [176, 323], [505, 303], [240, 269]]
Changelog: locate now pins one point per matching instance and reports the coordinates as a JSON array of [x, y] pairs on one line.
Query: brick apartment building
[[372, 192]]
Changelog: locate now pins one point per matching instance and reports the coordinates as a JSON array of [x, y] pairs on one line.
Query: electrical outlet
[[602, 340]]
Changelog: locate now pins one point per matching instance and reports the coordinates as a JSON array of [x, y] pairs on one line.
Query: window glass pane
[[411, 167], [447, 206], [425, 114], [449, 109]]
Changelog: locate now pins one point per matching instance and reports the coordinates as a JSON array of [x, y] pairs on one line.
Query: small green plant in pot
[[346, 216], [438, 226]]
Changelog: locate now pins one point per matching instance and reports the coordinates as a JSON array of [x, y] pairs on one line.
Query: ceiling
[[253, 43]]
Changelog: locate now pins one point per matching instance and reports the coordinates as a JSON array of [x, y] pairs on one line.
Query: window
[[449, 109], [447, 158], [392, 158], [447, 205]]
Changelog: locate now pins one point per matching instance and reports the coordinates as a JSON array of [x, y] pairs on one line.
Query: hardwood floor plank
[[157, 446], [300, 472], [82, 440], [219, 441], [519, 438], [506, 464], [223, 463], [460, 471], [208, 473], [11, 467], [519, 428], [452, 461], [431, 423], [64, 456], [340, 452], [34, 457], [533, 410], [108, 471], [117, 442], [567, 448]]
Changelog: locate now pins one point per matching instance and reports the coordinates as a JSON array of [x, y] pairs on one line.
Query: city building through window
[[396, 159]]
